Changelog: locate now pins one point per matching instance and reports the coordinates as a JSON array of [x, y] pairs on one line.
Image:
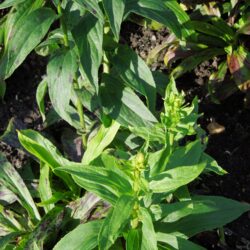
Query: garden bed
[[229, 148], [64, 134]]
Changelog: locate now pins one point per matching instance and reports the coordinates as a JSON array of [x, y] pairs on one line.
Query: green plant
[[131, 183], [213, 34], [151, 206]]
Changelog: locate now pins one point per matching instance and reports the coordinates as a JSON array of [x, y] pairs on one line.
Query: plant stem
[[82, 122], [222, 236], [63, 26], [106, 68]]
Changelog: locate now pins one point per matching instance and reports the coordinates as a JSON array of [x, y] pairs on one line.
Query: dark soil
[[20, 103], [231, 148]]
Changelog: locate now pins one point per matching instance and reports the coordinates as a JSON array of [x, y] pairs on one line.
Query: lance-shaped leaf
[[5, 240], [100, 141], [125, 106], [60, 74], [115, 10], [182, 17], [88, 36], [40, 94], [44, 188], [105, 183], [149, 240], [30, 32], [83, 237], [192, 61], [133, 240], [177, 243], [93, 7], [10, 178], [135, 73], [209, 212], [174, 178], [171, 212], [115, 222], [155, 10], [46, 152], [9, 3], [48, 227], [15, 18]]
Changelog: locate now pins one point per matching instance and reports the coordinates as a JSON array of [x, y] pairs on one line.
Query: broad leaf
[[10, 178], [149, 240], [40, 94], [133, 240], [48, 227], [30, 32], [44, 188], [116, 220], [60, 75], [46, 152], [105, 183], [100, 141], [93, 7], [191, 62], [174, 178], [88, 36], [125, 106], [135, 73], [177, 243], [157, 11], [83, 237], [209, 212], [115, 10], [9, 3], [171, 212]]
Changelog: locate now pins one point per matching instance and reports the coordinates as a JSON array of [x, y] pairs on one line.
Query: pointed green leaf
[[133, 240], [10, 178], [48, 227], [88, 36], [149, 240], [60, 74], [44, 188], [83, 237], [174, 178], [116, 220], [9, 3], [106, 183], [115, 10], [177, 243], [40, 94], [30, 32], [93, 7], [155, 10], [46, 152], [209, 212], [135, 73], [125, 106], [100, 141]]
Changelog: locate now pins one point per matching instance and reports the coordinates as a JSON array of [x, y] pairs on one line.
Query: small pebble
[[28, 120]]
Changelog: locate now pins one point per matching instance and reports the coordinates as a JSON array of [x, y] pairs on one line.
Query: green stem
[[222, 236], [63, 26], [106, 68], [80, 112]]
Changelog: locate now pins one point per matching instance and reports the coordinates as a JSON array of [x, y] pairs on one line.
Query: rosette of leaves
[[146, 186], [217, 31]]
